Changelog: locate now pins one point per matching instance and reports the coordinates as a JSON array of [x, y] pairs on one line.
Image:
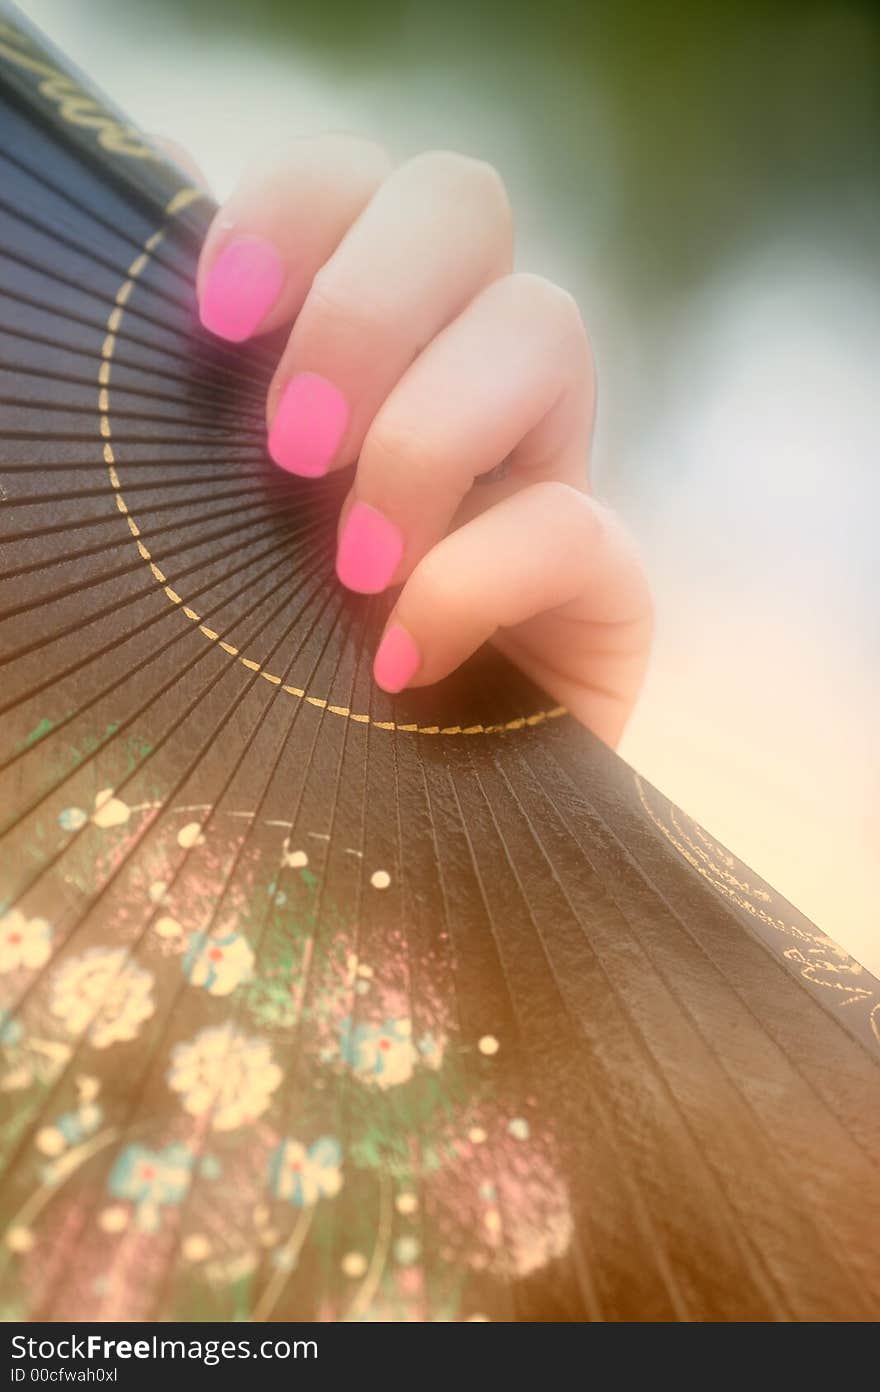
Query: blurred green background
[[704, 178], [672, 133]]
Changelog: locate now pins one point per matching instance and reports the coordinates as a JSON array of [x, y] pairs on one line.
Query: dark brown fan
[[320, 1003]]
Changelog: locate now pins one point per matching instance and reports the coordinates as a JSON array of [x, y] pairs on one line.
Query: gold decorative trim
[[183, 198], [74, 104], [114, 320], [820, 960]]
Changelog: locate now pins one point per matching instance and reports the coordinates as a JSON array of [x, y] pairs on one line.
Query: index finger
[[269, 239]]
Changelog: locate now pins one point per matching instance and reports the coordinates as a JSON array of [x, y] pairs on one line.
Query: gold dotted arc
[[108, 348]]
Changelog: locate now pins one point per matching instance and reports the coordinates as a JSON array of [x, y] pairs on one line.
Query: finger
[[510, 379], [280, 225], [554, 578], [435, 233]]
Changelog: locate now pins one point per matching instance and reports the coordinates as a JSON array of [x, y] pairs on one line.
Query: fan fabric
[[319, 1003]]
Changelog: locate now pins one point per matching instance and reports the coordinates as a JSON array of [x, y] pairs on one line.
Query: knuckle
[[535, 297], [550, 299], [336, 315], [485, 178], [435, 585], [465, 176], [364, 162], [567, 511], [325, 295], [392, 445], [557, 498]]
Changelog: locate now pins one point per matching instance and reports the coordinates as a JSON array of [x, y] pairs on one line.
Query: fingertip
[[370, 549], [308, 424], [397, 659], [240, 287]]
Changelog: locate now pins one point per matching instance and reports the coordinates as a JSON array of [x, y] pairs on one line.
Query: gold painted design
[[73, 103], [704, 860], [182, 199], [58, 1173], [816, 967], [362, 1300], [289, 1253], [820, 960], [108, 348]]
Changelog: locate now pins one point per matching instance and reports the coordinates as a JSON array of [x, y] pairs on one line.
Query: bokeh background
[[704, 178]]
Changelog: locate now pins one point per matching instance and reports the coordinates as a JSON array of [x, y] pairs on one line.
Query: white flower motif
[[102, 991], [383, 1055], [153, 1179], [190, 835], [24, 942], [110, 811], [218, 963], [302, 1174], [225, 1074]]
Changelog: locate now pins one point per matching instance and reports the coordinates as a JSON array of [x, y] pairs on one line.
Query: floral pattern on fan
[[218, 963], [224, 1077], [287, 1072], [384, 1054], [304, 1174], [151, 1179], [24, 942], [103, 993]]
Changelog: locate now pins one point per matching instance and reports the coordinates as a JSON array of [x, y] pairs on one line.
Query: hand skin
[[416, 350]]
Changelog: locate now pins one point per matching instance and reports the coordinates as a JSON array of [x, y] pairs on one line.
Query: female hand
[[416, 351]]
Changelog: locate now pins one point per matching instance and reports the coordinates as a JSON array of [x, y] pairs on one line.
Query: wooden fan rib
[[155, 1310], [644, 879], [759, 1025], [170, 553], [234, 413], [151, 657], [284, 550], [295, 1044], [738, 1234], [159, 744], [259, 486], [239, 467], [219, 357], [18, 213], [245, 391], [136, 1092], [589, 1295], [259, 482], [652, 1241], [90, 212]]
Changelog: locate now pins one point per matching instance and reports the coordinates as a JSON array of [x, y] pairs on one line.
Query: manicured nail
[[369, 552], [308, 425], [397, 660], [242, 286]]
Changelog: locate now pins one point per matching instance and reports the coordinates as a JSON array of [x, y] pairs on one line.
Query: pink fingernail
[[369, 552], [242, 286], [396, 661], [308, 425]]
